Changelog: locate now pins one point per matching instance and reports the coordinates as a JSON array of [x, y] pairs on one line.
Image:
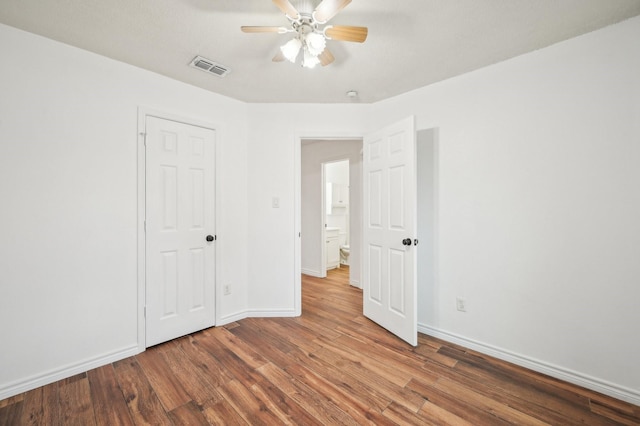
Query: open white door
[[389, 256], [180, 229]]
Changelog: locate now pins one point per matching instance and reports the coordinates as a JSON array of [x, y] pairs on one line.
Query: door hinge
[[144, 138], [145, 311], [145, 226]]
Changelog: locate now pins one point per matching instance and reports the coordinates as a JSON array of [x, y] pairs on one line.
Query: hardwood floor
[[329, 366]]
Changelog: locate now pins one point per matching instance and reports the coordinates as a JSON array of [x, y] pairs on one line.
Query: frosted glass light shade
[[315, 43], [291, 49], [310, 60]]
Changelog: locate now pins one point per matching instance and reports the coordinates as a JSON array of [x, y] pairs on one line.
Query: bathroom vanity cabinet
[[332, 247]]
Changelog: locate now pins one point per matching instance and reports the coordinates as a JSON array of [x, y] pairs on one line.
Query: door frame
[[143, 113], [297, 201], [323, 225]]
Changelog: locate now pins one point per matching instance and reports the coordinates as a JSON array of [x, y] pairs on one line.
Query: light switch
[[275, 202]]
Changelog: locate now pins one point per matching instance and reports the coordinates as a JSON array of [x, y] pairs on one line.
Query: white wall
[[538, 207], [426, 176], [337, 172], [68, 222], [313, 155], [273, 153]]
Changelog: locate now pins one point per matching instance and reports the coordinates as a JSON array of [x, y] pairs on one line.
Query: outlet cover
[[227, 290], [461, 305]]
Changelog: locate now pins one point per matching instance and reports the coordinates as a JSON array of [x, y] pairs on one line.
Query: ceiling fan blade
[[279, 56], [326, 57], [346, 33], [250, 29], [328, 9], [287, 8]]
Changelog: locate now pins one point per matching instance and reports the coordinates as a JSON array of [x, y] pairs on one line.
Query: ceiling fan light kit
[[309, 37]]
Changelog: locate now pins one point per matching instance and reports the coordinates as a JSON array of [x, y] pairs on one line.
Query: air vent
[[207, 65]]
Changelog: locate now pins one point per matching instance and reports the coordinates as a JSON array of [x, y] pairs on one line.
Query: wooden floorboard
[[329, 366]]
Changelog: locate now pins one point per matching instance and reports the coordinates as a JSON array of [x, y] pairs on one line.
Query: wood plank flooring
[[329, 366]]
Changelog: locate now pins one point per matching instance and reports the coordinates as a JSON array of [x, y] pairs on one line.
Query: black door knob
[[210, 238], [406, 241]]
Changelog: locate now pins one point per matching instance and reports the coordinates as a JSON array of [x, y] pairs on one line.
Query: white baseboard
[[619, 392], [269, 313], [14, 388], [227, 319], [257, 313], [312, 273], [355, 283]]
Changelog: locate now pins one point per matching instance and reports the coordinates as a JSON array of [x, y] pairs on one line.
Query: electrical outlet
[[461, 304], [227, 290]]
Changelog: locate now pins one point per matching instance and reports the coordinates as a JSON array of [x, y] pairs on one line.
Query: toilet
[[344, 250], [344, 254]]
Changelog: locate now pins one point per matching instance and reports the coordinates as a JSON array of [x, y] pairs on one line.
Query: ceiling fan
[[310, 31]]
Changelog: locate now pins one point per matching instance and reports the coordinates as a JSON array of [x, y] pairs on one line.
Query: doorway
[[315, 155], [426, 142], [336, 199]]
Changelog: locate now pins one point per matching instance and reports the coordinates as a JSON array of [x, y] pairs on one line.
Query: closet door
[[180, 229]]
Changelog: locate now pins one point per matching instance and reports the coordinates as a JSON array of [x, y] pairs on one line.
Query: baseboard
[[227, 319], [312, 273], [255, 313], [619, 392], [355, 283], [35, 381], [271, 313]]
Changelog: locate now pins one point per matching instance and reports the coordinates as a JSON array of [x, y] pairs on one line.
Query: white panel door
[[389, 258], [180, 219]]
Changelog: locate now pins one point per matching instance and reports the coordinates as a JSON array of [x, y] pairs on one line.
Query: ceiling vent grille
[[207, 65]]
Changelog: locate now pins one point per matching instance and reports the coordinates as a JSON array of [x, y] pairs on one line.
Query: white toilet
[[344, 254], [344, 250]]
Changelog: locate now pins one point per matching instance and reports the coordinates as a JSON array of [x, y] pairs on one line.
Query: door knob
[[406, 241], [210, 238]]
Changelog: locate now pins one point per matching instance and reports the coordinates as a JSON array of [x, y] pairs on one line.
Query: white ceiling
[[411, 43]]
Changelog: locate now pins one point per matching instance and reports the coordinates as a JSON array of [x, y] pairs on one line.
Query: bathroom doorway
[[316, 154], [336, 213]]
